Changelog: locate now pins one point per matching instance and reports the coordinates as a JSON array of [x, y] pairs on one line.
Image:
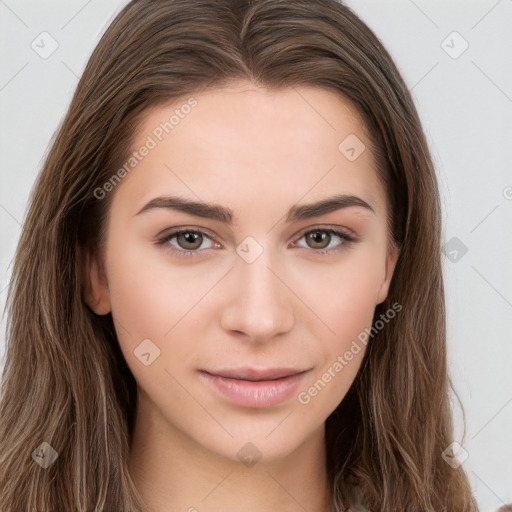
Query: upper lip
[[255, 374]]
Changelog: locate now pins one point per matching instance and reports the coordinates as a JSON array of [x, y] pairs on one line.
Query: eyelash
[[347, 240]]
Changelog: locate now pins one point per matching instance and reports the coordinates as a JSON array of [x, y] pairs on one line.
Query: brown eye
[[187, 242], [190, 240], [318, 239]]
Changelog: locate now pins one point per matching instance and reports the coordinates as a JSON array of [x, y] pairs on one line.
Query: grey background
[[465, 103]]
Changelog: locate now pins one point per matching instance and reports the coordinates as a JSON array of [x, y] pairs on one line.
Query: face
[[235, 314]]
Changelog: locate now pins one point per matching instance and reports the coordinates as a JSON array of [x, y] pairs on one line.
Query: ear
[[96, 292], [391, 259]]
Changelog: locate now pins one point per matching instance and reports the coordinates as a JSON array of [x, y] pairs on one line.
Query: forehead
[[243, 141]]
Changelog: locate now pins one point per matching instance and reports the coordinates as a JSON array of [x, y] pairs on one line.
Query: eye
[[185, 242], [320, 239]]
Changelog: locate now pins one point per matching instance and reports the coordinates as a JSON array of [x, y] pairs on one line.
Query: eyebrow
[[225, 215]]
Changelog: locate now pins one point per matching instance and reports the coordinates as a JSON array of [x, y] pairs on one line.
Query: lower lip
[[255, 394]]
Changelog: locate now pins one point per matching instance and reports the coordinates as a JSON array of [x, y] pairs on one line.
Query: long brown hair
[[65, 381]]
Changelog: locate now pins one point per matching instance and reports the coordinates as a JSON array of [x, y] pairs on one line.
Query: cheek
[[353, 299], [345, 300], [148, 295], [344, 294], [151, 298], [340, 353], [152, 301], [139, 302]]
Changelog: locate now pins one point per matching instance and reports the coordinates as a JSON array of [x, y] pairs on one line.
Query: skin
[[259, 153]]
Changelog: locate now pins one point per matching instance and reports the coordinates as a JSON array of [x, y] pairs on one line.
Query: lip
[[251, 387]]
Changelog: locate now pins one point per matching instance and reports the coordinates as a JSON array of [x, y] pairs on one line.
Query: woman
[[261, 369]]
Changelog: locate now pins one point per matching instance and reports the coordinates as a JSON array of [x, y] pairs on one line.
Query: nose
[[259, 304]]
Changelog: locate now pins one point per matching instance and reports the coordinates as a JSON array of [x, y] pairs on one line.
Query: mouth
[[254, 374], [252, 387]]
